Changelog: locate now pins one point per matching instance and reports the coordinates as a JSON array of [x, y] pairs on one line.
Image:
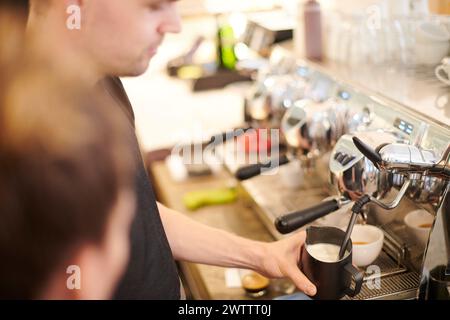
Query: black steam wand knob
[[368, 152]]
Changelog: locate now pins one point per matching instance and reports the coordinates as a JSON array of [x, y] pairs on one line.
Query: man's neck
[[50, 39]]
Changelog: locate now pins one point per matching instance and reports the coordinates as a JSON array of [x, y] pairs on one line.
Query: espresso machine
[[386, 168], [426, 180], [302, 104], [403, 168], [310, 125]]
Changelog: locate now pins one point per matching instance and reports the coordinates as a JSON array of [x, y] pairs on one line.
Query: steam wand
[[356, 209], [359, 205], [386, 157], [375, 157]]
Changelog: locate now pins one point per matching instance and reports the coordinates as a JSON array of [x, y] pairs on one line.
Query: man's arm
[[195, 242]]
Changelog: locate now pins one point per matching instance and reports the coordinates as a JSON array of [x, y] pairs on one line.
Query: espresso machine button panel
[[347, 159], [344, 155], [343, 158]]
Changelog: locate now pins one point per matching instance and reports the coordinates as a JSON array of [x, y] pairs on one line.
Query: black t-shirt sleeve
[[151, 272]]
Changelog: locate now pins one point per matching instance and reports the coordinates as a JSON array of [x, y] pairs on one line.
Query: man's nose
[[171, 22]]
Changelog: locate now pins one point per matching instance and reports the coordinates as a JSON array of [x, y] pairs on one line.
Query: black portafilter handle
[[368, 152], [295, 220], [254, 170]]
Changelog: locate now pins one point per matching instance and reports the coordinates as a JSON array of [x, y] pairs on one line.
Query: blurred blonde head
[[66, 187]]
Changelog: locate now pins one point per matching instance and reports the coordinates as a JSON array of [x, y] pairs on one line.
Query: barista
[[159, 235]]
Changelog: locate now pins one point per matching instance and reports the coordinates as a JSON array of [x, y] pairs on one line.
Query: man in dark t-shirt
[[101, 40], [151, 272]]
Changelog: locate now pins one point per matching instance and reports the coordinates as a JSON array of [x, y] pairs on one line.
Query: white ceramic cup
[[432, 43], [367, 244], [443, 71], [414, 221]]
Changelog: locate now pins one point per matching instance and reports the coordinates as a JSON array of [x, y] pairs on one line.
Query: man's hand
[[281, 258], [194, 242]]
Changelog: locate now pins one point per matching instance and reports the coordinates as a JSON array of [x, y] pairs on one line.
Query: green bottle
[[225, 47]]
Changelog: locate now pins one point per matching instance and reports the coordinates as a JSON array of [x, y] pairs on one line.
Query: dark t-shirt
[[151, 271]]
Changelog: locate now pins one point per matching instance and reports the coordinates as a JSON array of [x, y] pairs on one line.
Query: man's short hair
[[64, 158]]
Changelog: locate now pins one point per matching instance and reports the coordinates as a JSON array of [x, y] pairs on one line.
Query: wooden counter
[[208, 282]]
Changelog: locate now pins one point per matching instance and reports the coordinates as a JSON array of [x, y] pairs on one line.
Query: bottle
[[313, 30], [225, 45]]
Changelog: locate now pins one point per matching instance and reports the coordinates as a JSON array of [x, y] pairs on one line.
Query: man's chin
[[138, 70]]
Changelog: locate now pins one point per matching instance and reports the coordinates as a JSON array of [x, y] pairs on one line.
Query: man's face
[[122, 36]]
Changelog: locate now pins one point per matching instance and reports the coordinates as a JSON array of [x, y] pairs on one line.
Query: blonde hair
[[65, 157]]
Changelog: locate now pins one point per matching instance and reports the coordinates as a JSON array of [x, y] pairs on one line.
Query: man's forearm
[[195, 242]]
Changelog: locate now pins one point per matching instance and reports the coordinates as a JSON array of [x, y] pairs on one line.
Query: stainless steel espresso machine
[[386, 170], [400, 162]]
